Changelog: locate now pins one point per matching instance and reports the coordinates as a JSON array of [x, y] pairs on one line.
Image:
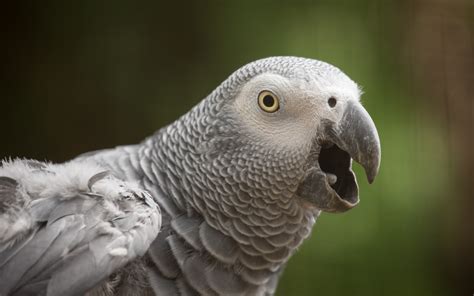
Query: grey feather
[[188, 228], [12, 272], [73, 243], [193, 269], [222, 247], [7, 192], [226, 283], [256, 277], [180, 252], [8, 252], [163, 258], [184, 288], [160, 284]]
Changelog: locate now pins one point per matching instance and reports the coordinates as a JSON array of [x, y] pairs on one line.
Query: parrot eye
[[332, 102], [268, 101]]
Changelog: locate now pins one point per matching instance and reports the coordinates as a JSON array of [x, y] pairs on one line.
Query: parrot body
[[238, 183]]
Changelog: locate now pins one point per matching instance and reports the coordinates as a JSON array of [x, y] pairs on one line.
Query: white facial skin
[[303, 104]]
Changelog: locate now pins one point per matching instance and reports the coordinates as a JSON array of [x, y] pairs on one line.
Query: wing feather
[[73, 236]]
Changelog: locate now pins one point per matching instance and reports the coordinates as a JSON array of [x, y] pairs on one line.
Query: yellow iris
[[268, 101]]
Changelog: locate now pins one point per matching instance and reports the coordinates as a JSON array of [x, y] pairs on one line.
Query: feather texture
[[79, 231]]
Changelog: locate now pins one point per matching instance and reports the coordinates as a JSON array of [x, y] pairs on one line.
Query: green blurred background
[[85, 75]]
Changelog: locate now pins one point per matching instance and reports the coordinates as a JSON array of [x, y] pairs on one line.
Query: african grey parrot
[[212, 204]]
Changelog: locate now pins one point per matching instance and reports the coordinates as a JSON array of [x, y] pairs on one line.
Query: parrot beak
[[356, 134], [330, 183]]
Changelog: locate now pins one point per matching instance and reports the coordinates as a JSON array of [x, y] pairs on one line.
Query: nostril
[[332, 102]]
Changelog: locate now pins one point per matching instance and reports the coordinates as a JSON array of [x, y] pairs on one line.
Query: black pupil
[[268, 101], [332, 102]]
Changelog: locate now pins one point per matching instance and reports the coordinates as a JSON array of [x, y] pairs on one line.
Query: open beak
[[330, 183]]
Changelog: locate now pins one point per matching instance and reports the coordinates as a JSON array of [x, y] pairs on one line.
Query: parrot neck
[[225, 199]]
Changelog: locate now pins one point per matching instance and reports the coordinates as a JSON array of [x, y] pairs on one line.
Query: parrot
[[214, 203]]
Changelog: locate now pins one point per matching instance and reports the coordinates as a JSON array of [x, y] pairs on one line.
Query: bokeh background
[[86, 75]]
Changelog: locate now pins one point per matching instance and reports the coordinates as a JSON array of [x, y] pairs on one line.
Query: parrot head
[[262, 155], [296, 124]]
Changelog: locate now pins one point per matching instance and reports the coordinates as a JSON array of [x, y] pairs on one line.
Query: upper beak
[[356, 134]]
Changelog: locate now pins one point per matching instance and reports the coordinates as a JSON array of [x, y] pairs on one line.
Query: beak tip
[[371, 171], [370, 176], [370, 179]]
